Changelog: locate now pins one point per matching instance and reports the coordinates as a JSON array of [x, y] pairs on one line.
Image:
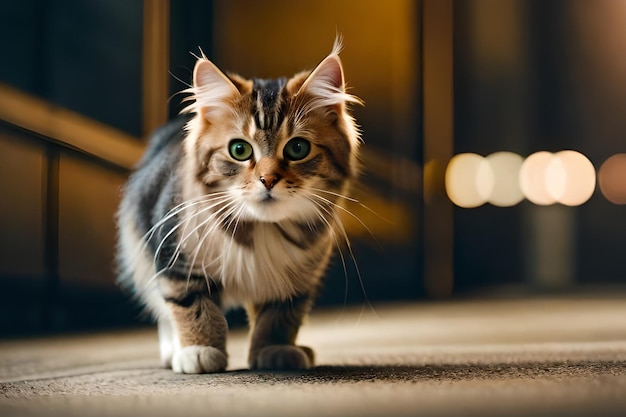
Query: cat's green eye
[[240, 150], [297, 149]]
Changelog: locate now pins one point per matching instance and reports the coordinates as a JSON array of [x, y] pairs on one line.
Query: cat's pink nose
[[269, 181]]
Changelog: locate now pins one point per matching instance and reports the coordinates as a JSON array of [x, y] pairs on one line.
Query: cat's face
[[274, 149]]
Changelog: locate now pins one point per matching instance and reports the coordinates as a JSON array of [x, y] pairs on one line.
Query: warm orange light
[[612, 178]]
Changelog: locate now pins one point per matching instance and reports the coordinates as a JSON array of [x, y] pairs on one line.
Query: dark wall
[[82, 55]]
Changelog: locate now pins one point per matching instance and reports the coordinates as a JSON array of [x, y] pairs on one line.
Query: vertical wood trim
[[50, 190], [438, 131], [156, 52]]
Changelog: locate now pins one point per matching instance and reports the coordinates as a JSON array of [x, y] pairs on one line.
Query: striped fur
[[201, 228]]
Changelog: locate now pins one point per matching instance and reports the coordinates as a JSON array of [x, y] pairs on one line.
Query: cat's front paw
[[283, 358], [199, 360]]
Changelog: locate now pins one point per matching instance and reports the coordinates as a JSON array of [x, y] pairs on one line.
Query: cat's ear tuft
[[212, 89], [325, 86]]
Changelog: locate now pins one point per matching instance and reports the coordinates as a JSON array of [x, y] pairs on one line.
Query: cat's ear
[[325, 86], [325, 83], [212, 89]]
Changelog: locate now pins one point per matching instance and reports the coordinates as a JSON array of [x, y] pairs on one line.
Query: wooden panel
[[88, 199], [21, 229], [69, 128]]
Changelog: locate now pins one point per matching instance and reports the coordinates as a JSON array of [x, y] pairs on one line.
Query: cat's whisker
[[353, 200], [185, 222], [180, 80], [337, 244], [356, 266], [172, 213], [344, 234], [150, 233], [236, 216], [208, 230], [345, 210], [182, 206], [176, 253], [225, 204], [175, 256], [345, 197], [217, 214], [202, 243]]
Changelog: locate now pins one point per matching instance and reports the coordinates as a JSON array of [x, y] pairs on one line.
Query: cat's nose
[[269, 172], [269, 180]]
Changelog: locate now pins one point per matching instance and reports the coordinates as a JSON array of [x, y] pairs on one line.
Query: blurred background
[[83, 84]]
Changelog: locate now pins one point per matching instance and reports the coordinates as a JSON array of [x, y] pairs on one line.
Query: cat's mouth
[[275, 207], [267, 198]]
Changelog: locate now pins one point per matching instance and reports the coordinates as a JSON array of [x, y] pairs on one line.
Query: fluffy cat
[[236, 204]]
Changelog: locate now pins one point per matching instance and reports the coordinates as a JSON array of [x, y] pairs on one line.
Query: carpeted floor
[[537, 356]]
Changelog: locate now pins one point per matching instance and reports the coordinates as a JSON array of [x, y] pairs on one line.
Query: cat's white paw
[[283, 358], [199, 360]]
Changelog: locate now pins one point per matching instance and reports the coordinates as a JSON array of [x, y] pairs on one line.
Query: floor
[[515, 357]]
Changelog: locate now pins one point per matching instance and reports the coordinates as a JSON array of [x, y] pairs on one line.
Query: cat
[[236, 205]]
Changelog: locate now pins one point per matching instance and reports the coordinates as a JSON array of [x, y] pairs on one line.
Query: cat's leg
[[274, 327], [197, 330], [168, 340]]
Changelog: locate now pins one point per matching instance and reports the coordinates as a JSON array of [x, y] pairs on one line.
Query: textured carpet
[[540, 356]]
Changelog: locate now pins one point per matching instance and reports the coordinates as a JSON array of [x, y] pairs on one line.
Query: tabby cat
[[236, 205]]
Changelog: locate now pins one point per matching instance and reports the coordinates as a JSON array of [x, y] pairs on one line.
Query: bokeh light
[[570, 178], [566, 177], [505, 178], [469, 180], [506, 168], [532, 178], [612, 179]]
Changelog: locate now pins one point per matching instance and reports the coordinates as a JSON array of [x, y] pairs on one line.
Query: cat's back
[[164, 139], [157, 171], [151, 191]]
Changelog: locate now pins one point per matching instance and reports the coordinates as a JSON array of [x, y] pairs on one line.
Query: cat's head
[[275, 149]]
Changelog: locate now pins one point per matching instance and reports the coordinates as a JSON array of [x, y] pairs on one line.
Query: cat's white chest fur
[[269, 268]]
